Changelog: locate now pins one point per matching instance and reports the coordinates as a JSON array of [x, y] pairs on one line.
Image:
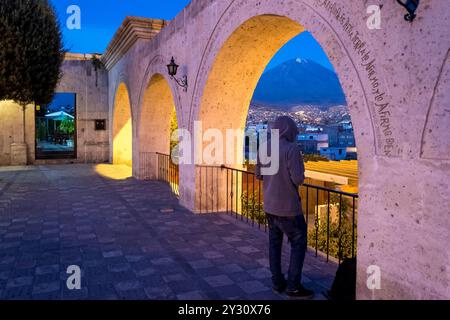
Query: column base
[[18, 154]]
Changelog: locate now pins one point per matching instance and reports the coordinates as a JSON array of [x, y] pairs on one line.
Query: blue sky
[[101, 18], [62, 100]]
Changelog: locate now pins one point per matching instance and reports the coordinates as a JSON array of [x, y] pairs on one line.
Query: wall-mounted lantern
[[411, 7], [172, 68]]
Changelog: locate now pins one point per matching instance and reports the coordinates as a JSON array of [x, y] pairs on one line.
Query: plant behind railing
[[330, 214], [252, 207], [339, 244]]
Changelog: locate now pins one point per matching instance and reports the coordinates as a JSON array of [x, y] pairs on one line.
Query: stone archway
[[386, 75], [233, 65], [158, 107], [157, 113], [228, 77], [238, 68], [122, 133]]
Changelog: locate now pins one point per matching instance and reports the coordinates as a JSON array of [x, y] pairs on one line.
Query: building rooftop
[[341, 172], [131, 29]]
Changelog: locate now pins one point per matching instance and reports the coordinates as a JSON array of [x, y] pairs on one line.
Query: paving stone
[[49, 277], [212, 255], [231, 268], [192, 295], [112, 254], [135, 294], [7, 260], [17, 293], [231, 292], [75, 294], [160, 293], [20, 282], [261, 273], [163, 261], [252, 286], [174, 277], [247, 249], [102, 292], [134, 258], [128, 285], [125, 246], [46, 287], [119, 267], [201, 264], [41, 270], [219, 281], [145, 272]]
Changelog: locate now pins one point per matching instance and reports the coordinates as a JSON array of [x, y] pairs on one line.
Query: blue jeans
[[295, 229]]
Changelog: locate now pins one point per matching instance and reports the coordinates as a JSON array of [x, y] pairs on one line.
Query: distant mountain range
[[298, 82]]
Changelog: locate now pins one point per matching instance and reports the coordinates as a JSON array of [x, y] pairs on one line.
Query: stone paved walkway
[[126, 243]]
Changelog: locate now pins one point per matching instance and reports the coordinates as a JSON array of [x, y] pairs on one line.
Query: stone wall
[[11, 130], [79, 77], [394, 80]]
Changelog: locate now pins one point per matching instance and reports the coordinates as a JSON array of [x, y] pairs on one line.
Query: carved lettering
[[369, 65]]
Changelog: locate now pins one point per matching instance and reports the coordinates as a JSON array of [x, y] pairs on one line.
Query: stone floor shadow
[[127, 244]]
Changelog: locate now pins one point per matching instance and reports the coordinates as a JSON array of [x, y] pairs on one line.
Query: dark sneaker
[[300, 293], [279, 289]]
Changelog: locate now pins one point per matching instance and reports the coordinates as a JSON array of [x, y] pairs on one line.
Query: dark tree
[[31, 51]]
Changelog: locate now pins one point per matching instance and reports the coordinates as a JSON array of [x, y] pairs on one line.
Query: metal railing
[[145, 165], [331, 215], [168, 171]]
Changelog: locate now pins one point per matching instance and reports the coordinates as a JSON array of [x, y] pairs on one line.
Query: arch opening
[[122, 128], [158, 121], [224, 105], [158, 117], [236, 71]]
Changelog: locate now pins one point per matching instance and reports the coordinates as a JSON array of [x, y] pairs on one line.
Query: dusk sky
[[100, 19]]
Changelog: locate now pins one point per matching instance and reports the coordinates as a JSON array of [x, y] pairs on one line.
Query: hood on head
[[287, 128]]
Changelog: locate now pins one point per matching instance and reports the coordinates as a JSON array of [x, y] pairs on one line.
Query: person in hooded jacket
[[282, 205]]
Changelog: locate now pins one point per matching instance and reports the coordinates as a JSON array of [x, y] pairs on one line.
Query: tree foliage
[[67, 126], [31, 51]]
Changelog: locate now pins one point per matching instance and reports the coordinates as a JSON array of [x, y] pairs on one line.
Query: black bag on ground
[[344, 284]]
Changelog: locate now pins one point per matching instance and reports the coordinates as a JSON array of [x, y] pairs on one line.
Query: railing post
[[339, 230], [353, 229], [317, 221], [328, 227]]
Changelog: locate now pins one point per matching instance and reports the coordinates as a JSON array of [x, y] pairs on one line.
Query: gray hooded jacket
[[281, 196]]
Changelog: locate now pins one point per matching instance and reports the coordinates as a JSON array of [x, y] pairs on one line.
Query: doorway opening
[[56, 128]]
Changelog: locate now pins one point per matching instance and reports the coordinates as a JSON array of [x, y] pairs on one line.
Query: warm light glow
[[122, 145], [115, 172], [122, 128], [157, 117]]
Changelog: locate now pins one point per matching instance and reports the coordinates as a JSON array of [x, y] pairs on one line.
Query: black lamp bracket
[[182, 82]]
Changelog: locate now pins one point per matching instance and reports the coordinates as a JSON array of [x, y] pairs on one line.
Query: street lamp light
[[411, 7], [172, 69]]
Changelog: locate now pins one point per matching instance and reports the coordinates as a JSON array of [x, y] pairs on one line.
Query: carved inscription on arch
[[381, 105]]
